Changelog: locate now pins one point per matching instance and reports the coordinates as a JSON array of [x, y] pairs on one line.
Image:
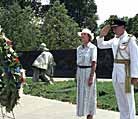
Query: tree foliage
[[19, 25], [83, 12], [36, 6], [59, 29], [22, 3], [133, 25]]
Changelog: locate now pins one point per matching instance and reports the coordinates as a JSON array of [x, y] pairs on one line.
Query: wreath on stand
[[11, 75]]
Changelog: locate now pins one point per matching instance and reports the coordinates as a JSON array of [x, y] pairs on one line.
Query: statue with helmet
[[43, 66]]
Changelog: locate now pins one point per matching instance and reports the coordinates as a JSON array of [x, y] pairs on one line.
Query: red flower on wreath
[[16, 60]]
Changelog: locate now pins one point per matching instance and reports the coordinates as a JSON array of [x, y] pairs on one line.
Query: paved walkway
[[67, 79], [32, 107]]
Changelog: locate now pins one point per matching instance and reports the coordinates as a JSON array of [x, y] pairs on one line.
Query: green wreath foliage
[[10, 74]]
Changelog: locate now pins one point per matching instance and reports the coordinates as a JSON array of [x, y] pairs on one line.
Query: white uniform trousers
[[125, 101]]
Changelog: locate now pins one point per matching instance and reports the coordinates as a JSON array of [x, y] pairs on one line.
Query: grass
[[66, 91]]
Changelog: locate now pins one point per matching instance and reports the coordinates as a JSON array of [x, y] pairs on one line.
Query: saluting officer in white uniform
[[125, 71]]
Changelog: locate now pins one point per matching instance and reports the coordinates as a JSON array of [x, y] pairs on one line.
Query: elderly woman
[[86, 83]]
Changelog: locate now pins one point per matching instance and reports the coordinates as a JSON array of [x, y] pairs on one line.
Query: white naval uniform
[[86, 95], [126, 102]]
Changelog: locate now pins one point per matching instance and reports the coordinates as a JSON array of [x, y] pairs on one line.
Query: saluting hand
[[104, 31]]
